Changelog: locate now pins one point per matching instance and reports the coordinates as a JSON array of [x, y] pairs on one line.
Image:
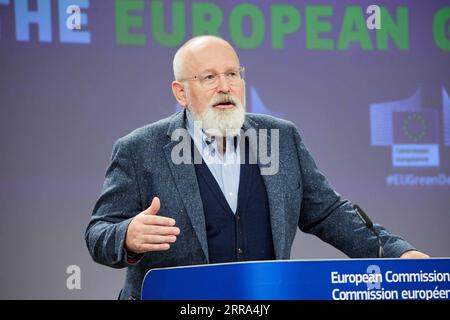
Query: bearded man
[[223, 208]]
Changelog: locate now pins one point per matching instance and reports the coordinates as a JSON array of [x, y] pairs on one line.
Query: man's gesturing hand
[[150, 232]]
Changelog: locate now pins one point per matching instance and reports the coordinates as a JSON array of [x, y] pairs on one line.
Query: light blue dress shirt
[[225, 168]]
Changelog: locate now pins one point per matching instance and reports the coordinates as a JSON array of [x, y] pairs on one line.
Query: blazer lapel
[[186, 182], [273, 185]]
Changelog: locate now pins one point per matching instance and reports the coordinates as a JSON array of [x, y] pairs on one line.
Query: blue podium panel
[[355, 279]]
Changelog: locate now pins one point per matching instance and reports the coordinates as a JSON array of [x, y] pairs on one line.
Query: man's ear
[[179, 93]]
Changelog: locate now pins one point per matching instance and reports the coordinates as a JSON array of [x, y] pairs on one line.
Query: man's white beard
[[221, 122]]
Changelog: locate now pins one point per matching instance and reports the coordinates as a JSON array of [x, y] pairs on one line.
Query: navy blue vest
[[246, 235]]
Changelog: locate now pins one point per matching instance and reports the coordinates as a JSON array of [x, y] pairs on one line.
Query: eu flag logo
[[418, 127], [415, 139]]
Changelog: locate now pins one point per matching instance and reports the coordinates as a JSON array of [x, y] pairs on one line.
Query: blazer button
[[238, 217], [240, 251]]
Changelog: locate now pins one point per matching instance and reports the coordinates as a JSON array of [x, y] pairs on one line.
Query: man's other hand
[[150, 232], [414, 255]]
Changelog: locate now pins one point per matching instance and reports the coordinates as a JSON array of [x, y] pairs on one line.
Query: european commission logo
[[412, 132]]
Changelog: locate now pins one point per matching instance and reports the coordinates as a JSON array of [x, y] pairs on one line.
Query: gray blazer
[[299, 196]]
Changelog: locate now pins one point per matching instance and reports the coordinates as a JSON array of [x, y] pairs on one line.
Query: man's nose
[[223, 85]]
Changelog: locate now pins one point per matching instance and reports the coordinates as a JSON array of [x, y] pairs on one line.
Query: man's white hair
[[180, 55]]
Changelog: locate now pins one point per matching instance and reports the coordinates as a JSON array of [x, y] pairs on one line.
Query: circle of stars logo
[[411, 120]]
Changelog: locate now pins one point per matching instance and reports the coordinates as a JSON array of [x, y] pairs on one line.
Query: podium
[[352, 279]]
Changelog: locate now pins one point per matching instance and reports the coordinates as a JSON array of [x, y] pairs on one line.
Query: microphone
[[369, 224]]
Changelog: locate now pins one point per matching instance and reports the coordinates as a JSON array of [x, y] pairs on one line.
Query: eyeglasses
[[211, 80]]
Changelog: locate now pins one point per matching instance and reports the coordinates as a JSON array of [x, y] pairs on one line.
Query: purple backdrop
[[64, 104]]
